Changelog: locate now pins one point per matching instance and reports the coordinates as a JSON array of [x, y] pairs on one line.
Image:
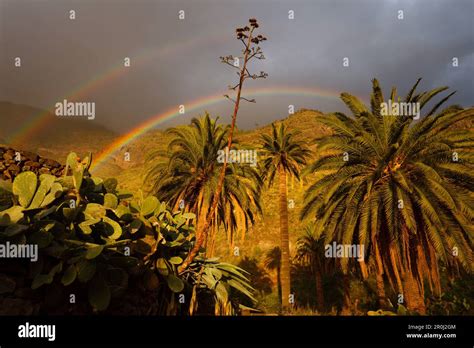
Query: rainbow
[[29, 129], [198, 105]]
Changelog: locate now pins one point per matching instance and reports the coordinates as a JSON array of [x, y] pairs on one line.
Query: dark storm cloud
[[176, 61]]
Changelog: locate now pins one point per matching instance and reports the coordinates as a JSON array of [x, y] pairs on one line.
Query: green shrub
[[94, 240]]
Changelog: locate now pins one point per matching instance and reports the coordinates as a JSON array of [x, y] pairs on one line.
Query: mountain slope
[[55, 137]]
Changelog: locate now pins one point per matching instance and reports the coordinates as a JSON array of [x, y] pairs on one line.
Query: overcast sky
[[176, 61]]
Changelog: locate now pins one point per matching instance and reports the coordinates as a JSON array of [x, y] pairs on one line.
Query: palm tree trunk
[[379, 278], [413, 281], [319, 287], [279, 283], [413, 295], [285, 242]]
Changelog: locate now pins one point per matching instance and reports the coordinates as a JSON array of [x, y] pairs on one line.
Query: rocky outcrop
[[13, 162]]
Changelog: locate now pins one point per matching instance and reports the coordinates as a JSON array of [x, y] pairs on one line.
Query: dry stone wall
[[13, 162]]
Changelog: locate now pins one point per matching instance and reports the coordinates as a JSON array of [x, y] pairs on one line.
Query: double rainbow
[[198, 105], [29, 129]]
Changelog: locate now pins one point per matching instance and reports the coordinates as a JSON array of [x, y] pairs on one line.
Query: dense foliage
[[188, 175], [96, 242], [400, 186]]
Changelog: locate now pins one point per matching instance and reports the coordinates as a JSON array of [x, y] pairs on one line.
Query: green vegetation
[[401, 188], [187, 174], [97, 244]]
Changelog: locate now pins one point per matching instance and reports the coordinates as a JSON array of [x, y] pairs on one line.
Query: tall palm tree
[[400, 186], [310, 250], [189, 174], [283, 154]]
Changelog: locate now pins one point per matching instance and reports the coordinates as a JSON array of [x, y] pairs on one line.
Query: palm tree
[[310, 250], [283, 154], [273, 262], [189, 175], [401, 187]]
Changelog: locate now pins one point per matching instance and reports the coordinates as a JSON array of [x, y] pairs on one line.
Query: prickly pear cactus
[[24, 187], [94, 237]]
